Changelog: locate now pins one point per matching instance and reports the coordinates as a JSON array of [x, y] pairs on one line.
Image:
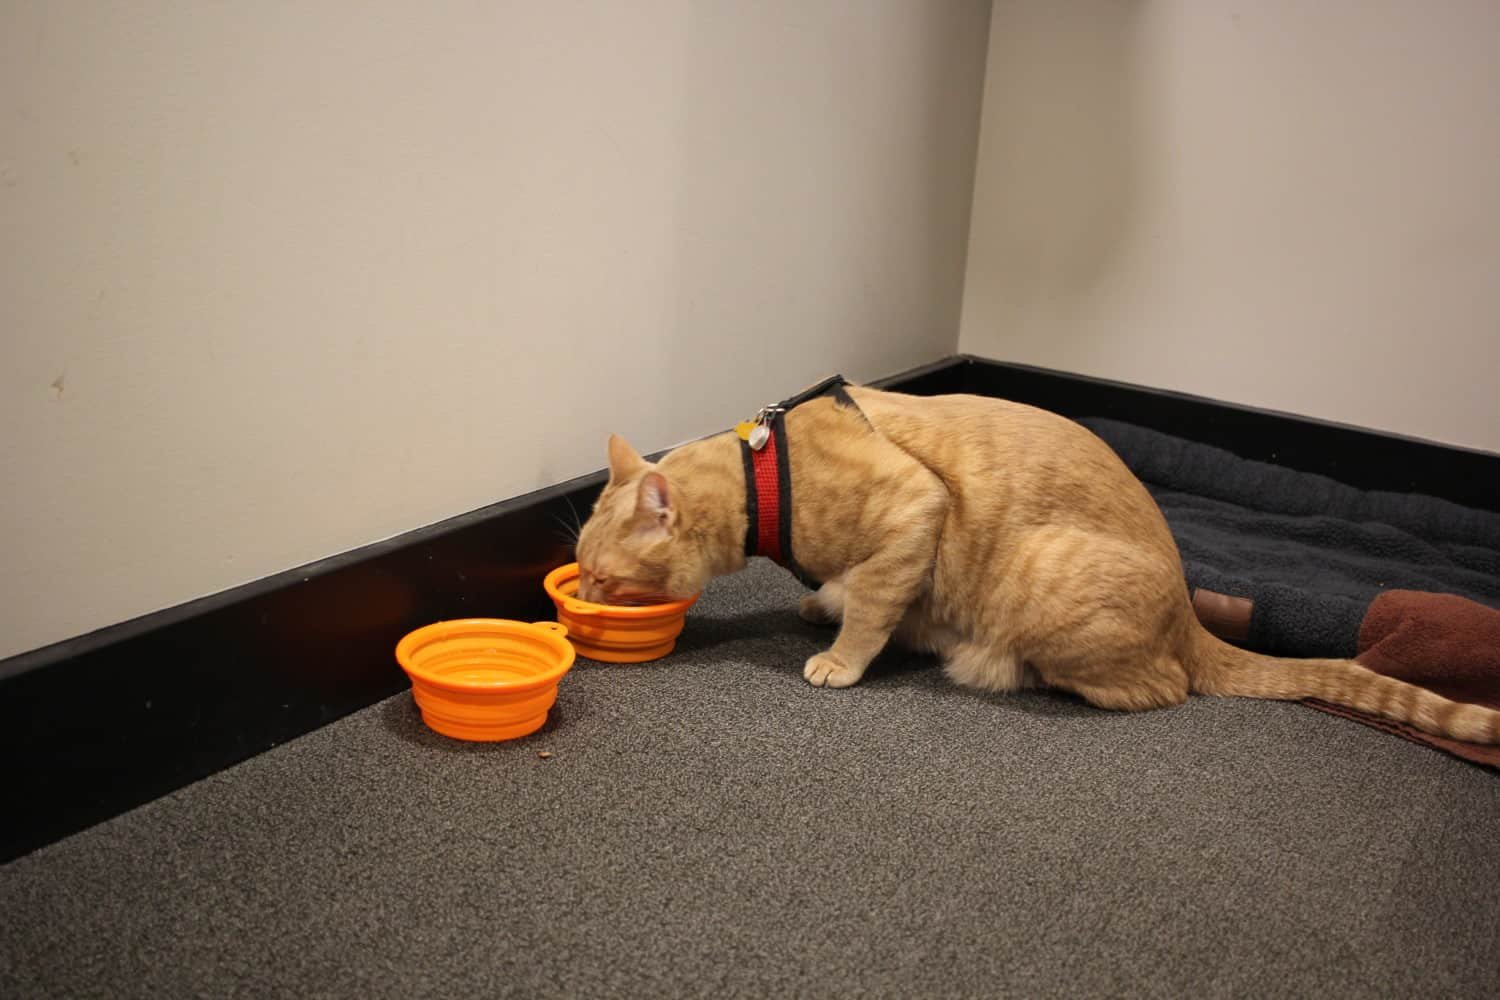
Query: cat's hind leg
[[1094, 614], [824, 606], [1123, 683], [918, 632], [986, 667]]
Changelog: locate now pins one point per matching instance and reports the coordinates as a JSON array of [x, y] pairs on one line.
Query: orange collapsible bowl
[[485, 678], [614, 634]]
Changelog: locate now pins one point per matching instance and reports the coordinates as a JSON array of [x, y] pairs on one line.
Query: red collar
[[768, 477], [766, 486]]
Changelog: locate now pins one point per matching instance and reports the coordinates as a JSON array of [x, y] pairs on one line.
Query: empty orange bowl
[[485, 678], [613, 633]]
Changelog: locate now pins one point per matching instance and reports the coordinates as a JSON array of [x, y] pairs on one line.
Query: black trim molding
[[94, 726], [97, 725], [1370, 460]]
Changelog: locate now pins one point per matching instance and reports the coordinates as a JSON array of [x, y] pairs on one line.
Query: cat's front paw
[[827, 670]]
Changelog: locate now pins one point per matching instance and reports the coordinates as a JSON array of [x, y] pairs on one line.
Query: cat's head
[[634, 548]]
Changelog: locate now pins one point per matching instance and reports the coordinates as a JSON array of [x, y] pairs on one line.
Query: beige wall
[[281, 279], [1284, 203]]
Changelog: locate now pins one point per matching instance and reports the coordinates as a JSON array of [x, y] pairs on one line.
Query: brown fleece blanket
[[1447, 644]]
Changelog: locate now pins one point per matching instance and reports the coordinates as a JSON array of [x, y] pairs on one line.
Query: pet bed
[[1296, 564]]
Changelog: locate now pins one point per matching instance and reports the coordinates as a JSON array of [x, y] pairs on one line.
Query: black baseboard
[[94, 726], [1370, 460]]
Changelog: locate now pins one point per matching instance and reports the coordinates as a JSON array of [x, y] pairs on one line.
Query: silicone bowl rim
[[578, 606], [552, 634]]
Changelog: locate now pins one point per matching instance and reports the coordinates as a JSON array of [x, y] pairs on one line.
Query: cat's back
[[953, 430], [1028, 462]]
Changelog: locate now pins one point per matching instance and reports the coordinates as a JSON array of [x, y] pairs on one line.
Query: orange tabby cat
[[1008, 540]]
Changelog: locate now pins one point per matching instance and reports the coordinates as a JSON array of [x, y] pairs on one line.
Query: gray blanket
[[1310, 552]]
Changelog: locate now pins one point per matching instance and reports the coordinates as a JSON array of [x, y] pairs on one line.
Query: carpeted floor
[[711, 825]]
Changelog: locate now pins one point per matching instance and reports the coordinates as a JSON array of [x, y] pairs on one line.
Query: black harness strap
[[833, 386]]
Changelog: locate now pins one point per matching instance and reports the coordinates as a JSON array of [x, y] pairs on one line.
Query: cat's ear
[[624, 461], [656, 503]]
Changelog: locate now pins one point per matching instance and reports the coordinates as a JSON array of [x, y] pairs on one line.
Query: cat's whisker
[[566, 531], [577, 522]]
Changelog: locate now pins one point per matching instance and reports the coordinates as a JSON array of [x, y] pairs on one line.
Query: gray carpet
[[711, 825]]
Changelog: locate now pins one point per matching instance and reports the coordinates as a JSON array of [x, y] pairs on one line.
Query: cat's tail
[[1217, 668]]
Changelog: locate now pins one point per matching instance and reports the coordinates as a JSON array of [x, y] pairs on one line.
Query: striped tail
[[1218, 668]]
